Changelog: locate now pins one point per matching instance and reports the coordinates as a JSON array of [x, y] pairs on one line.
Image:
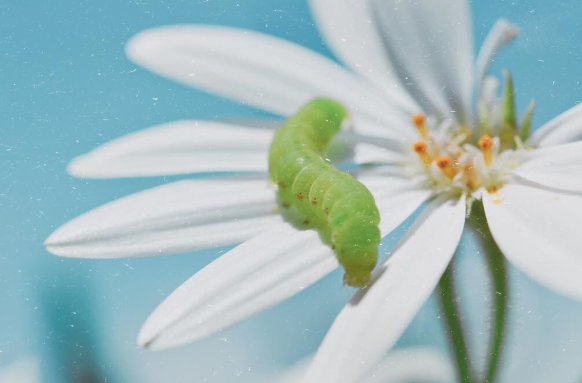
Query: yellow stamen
[[470, 176], [419, 121], [495, 196], [445, 164], [420, 149], [486, 143]]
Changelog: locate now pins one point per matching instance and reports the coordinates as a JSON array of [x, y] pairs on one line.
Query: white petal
[[565, 128], [489, 90], [396, 207], [396, 197], [539, 232], [408, 365], [413, 365], [376, 317], [349, 30], [179, 217], [394, 144], [260, 273], [255, 275], [256, 69], [558, 167], [430, 46], [291, 374], [21, 371], [489, 103], [367, 154], [204, 146], [177, 148], [502, 33]]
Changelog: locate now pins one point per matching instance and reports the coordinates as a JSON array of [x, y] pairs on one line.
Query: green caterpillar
[[340, 207]]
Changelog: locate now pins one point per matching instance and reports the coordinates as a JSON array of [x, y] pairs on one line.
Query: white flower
[[406, 57]]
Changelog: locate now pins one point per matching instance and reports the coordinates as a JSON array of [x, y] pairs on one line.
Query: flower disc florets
[[460, 159]]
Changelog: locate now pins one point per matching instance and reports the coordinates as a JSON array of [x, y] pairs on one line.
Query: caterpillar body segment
[[333, 201], [302, 186], [356, 246]]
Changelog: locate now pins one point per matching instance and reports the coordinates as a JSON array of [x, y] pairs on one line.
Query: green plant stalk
[[447, 300], [498, 273], [448, 303]]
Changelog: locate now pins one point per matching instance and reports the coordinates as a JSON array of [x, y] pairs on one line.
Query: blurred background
[[66, 87]]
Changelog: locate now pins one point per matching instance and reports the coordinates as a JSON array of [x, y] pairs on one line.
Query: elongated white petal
[[489, 103], [395, 145], [376, 317], [204, 146], [502, 33], [413, 365], [258, 274], [372, 154], [179, 217], [396, 197], [565, 128], [558, 167], [396, 207], [256, 69], [350, 31], [539, 232], [291, 374], [177, 148], [489, 90], [255, 275], [430, 47], [408, 365], [21, 371]]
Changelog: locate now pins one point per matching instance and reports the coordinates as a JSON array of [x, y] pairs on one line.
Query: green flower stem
[[498, 271], [457, 341], [448, 302]]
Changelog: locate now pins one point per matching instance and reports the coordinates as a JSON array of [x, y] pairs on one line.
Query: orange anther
[[444, 163], [420, 148], [419, 121], [486, 143]]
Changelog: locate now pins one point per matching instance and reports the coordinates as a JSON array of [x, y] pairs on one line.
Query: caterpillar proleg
[[332, 200]]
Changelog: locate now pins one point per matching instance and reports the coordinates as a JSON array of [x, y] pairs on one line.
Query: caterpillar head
[[354, 279], [358, 263]]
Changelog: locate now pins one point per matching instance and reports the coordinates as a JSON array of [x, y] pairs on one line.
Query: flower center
[[447, 160], [460, 158]]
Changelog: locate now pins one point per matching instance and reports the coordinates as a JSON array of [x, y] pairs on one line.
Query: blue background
[[66, 87]]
